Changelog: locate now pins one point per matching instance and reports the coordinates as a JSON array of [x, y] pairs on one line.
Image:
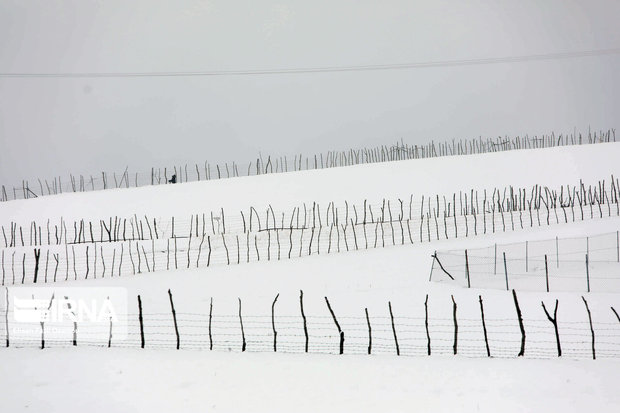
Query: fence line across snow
[[588, 263], [360, 230], [277, 164], [390, 332]]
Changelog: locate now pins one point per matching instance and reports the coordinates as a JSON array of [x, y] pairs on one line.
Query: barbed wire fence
[[278, 164], [482, 211], [588, 263], [331, 333], [155, 247]]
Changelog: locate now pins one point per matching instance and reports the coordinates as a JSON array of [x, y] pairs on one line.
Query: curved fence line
[[115, 257], [278, 164]]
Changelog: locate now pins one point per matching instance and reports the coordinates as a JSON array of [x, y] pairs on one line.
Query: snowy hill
[[377, 287]]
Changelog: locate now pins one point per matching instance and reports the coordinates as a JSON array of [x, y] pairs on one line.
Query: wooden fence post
[[456, 326], [242, 332], [210, 319], [591, 328], [520, 318], [557, 252], [174, 318], [273, 323], [369, 332], [467, 270], [554, 321], [526, 256], [110, 330], [432, 266], [140, 319], [394, 329], [484, 327], [303, 316], [37, 254], [546, 273], [428, 336], [587, 273], [6, 316], [340, 332], [495, 261], [505, 271]]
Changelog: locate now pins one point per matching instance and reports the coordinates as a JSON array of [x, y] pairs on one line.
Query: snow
[[96, 380], [159, 378], [398, 179]]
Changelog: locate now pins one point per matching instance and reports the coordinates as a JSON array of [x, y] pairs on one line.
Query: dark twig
[[340, 332]]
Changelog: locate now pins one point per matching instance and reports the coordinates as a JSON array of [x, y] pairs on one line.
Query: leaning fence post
[[432, 266], [484, 327], [394, 329], [520, 318], [242, 332], [587, 273], [174, 318], [546, 273], [467, 270], [505, 271], [369, 332], [340, 332], [141, 322]]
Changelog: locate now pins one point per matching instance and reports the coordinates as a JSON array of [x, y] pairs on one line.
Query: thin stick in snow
[[394, 329], [369, 332], [174, 318], [554, 321], [520, 318], [340, 332], [140, 319], [456, 326], [273, 323], [303, 316], [428, 336], [591, 328], [484, 327], [242, 331]]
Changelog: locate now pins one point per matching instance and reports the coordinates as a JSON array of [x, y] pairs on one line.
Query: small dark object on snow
[[173, 180]]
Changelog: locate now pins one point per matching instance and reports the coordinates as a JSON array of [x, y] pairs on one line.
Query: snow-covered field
[[159, 378]]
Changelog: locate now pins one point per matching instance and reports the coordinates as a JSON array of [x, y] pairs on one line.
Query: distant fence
[[589, 263], [388, 333], [43, 254], [277, 164]]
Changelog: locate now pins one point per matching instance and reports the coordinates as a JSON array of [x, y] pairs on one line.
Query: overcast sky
[[53, 126]]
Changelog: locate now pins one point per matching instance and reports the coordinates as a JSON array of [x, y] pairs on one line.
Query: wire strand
[[326, 69]]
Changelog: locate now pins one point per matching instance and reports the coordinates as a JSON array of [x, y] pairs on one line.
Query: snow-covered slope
[[552, 167], [353, 281]]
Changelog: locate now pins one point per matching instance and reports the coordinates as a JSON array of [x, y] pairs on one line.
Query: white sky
[[55, 126]]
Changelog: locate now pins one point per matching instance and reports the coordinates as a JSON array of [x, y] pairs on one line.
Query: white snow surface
[[161, 379]]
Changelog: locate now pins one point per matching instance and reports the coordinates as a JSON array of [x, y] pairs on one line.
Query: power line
[[327, 69]]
